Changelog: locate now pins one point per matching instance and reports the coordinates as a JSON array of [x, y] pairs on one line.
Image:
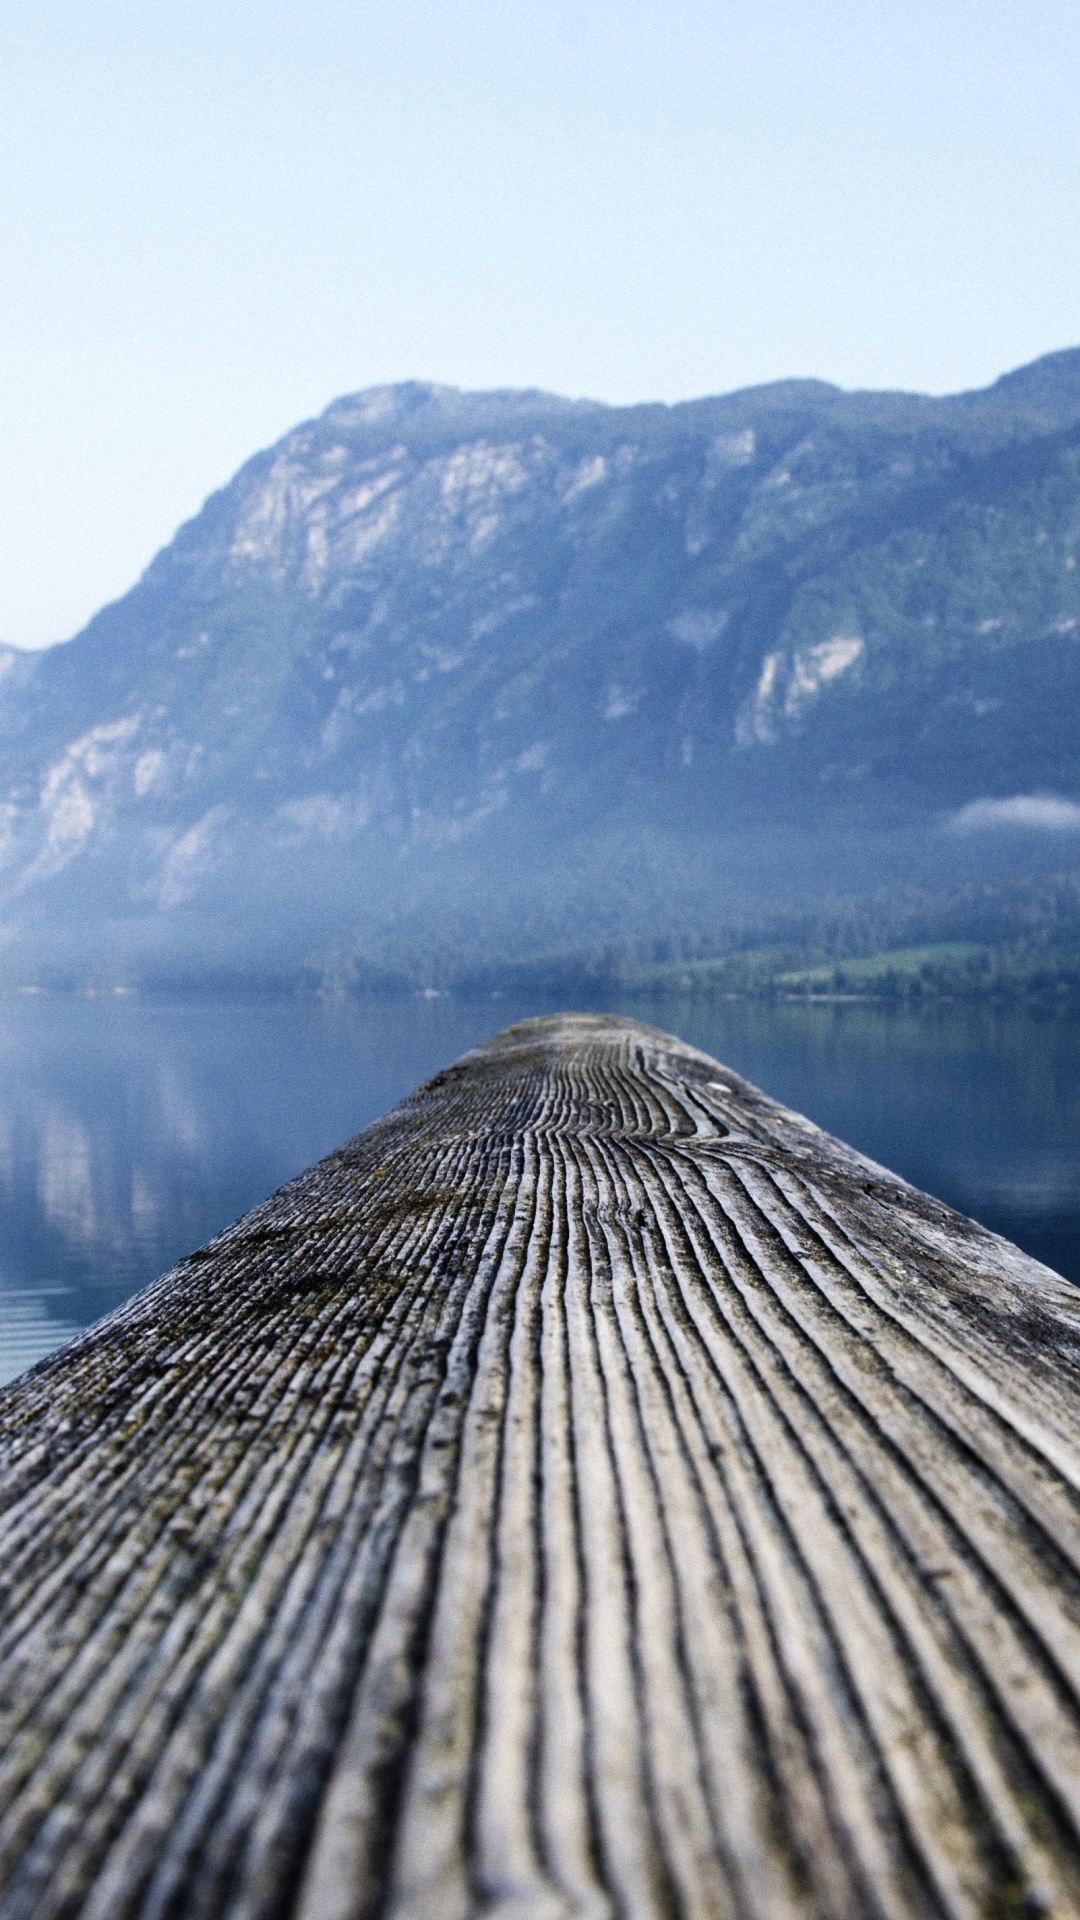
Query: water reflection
[[131, 1131]]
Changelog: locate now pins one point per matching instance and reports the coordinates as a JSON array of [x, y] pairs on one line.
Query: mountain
[[445, 680]]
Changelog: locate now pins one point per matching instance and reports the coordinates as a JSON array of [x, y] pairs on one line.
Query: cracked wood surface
[[593, 1491]]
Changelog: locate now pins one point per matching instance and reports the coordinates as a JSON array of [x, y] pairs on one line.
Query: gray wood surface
[[593, 1491]]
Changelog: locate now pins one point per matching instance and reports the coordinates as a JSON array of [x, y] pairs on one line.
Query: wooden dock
[[592, 1492]]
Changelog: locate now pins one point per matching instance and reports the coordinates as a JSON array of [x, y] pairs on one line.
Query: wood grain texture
[[592, 1492]]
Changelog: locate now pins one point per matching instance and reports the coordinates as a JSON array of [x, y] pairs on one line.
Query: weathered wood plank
[[592, 1492]]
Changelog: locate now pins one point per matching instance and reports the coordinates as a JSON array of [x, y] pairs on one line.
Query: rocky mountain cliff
[[446, 679]]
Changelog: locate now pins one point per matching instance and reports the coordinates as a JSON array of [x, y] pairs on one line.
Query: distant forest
[[1014, 942]]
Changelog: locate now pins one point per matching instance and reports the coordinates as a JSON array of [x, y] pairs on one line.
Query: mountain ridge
[[484, 675]]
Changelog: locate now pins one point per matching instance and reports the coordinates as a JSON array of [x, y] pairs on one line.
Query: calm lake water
[[130, 1131]]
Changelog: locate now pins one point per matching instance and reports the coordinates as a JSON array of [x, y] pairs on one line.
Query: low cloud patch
[[698, 626], [1033, 812]]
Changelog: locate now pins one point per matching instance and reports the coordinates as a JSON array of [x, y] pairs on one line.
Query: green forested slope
[[444, 682]]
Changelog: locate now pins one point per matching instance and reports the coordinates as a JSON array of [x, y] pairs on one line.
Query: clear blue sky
[[216, 215]]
